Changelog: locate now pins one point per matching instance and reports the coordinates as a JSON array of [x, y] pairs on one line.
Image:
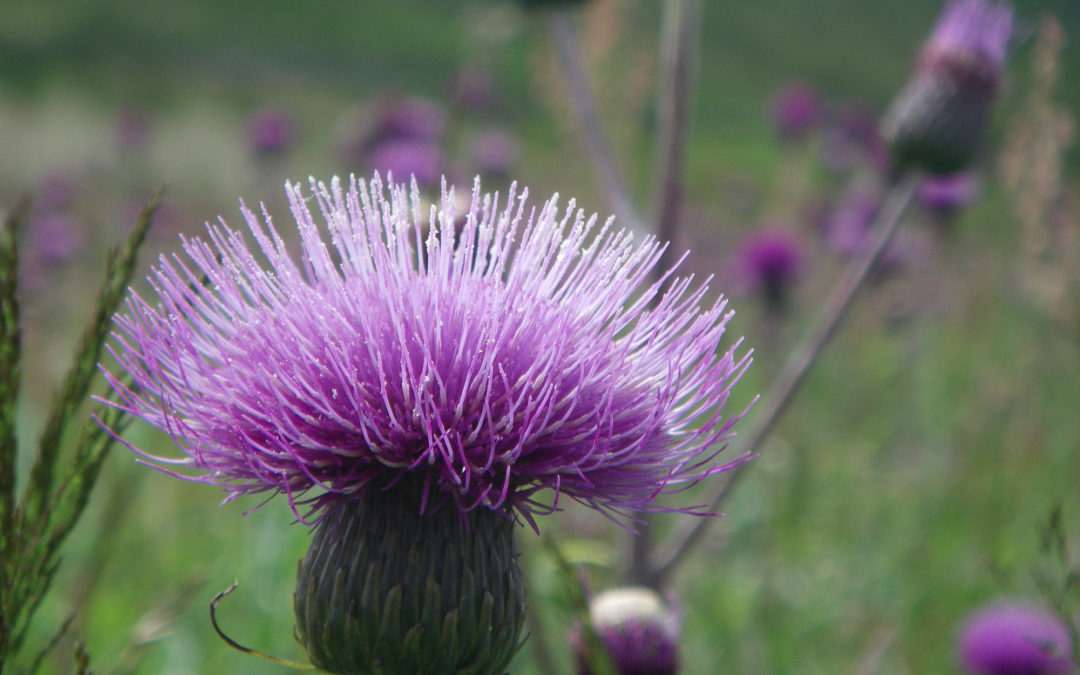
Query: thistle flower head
[[270, 131], [1009, 638], [943, 196], [639, 631], [522, 351], [971, 35], [769, 259], [795, 109], [937, 121]]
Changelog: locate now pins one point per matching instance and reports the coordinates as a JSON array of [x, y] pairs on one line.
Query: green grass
[[924, 450]]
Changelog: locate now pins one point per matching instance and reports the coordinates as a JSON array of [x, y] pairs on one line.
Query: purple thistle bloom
[[937, 121], [795, 110], [270, 131], [1014, 639], [523, 353], [411, 118], [638, 631], [944, 195], [421, 160], [769, 259], [973, 32]]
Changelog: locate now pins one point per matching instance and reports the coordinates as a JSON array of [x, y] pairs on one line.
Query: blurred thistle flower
[[942, 196], [769, 260], [57, 190], [270, 131], [493, 152], [637, 629], [416, 389], [848, 224], [795, 109], [421, 160], [55, 237], [412, 118], [471, 89], [1015, 639], [937, 122]]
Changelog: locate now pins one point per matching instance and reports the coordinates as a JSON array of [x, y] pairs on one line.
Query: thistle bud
[[638, 630], [938, 120], [386, 588]]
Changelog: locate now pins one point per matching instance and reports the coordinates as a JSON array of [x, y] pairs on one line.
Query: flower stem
[[897, 202], [588, 118], [679, 36]]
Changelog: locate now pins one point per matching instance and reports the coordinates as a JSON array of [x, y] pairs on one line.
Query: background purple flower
[[408, 158], [410, 118], [944, 195], [769, 259], [525, 353], [1014, 639], [795, 110], [270, 131]]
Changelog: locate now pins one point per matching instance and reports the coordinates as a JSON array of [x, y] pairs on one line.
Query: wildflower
[[795, 110], [937, 121], [420, 159], [942, 196], [637, 629], [1009, 638], [769, 260], [411, 118], [270, 131], [418, 389]]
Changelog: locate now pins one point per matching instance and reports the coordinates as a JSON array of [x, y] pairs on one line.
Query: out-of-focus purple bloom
[[408, 158], [639, 632], [410, 119], [271, 131], [1015, 639], [527, 352], [57, 190], [471, 89], [769, 259], [132, 129], [796, 110], [937, 121], [494, 152], [55, 237], [944, 195], [970, 36], [847, 225]]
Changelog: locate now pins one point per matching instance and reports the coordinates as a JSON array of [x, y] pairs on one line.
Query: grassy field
[[905, 487]]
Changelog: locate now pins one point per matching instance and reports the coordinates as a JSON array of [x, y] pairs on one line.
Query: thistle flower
[[942, 196], [418, 389], [637, 629], [937, 121], [769, 259], [795, 109], [270, 131], [1014, 638], [420, 159]]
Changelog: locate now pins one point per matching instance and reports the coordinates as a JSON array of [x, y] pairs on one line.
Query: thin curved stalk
[[897, 203]]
